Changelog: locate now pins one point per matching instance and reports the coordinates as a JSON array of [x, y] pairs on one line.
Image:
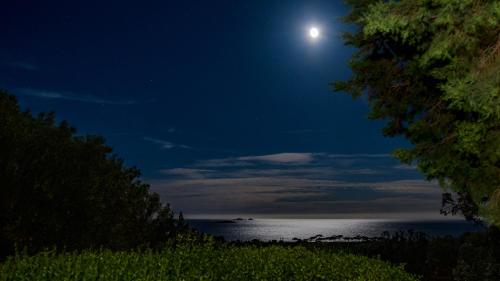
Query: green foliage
[[204, 261], [61, 189], [471, 256], [431, 69]]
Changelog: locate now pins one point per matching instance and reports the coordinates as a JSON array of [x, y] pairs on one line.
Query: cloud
[[165, 144], [298, 184], [289, 195], [347, 194], [72, 97], [24, 65], [305, 131], [295, 158], [186, 173], [282, 158], [405, 167], [223, 162], [287, 158], [246, 171], [383, 155]]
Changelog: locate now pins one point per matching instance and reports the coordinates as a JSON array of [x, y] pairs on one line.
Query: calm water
[[287, 229]]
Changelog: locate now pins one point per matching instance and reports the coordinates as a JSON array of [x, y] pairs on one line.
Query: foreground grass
[[205, 262]]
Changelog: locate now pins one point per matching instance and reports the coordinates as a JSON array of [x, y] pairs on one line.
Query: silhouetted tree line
[[472, 256], [69, 191]]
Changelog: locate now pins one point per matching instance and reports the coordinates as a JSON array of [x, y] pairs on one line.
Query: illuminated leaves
[[202, 262], [431, 70]]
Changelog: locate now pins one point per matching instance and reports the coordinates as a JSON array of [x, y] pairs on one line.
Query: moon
[[314, 32]]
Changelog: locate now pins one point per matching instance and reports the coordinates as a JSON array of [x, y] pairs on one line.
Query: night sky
[[225, 106]]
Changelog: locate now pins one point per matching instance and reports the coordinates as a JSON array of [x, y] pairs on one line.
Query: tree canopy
[[61, 189], [430, 69]]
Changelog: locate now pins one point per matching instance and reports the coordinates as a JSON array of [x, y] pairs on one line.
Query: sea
[[291, 229]]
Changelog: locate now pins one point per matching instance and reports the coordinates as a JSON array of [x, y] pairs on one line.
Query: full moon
[[314, 32]]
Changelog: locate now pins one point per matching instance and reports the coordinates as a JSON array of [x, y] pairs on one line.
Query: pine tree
[[431, 69]]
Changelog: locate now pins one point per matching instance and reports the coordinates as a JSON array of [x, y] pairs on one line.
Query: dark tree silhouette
[[60, 189]]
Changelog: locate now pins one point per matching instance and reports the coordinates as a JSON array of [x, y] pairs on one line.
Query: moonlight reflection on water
[[287, 229]]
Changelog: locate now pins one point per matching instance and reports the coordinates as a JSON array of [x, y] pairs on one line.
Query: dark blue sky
[[193, 92]]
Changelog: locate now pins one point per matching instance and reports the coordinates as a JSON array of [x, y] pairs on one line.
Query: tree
[[60, 189], [430, 69]]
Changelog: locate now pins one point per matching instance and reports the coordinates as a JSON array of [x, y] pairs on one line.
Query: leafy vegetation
[[201, 262], [471, 256], [430, 69], [61, 189]]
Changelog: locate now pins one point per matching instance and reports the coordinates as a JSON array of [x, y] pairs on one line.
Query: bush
[[201, 262], [61, 189]]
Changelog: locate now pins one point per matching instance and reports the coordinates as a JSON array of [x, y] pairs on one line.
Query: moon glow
[[314, 32]]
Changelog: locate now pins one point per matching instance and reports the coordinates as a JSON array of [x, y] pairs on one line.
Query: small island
[[225, 221]]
